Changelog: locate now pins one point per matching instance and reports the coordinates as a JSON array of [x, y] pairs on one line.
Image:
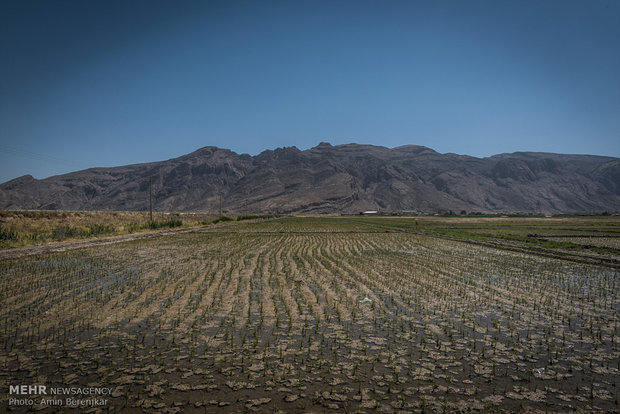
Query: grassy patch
[[21, 228], [524, 231]]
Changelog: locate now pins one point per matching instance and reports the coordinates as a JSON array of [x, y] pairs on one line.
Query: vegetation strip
[[17, 252], [474, 239]]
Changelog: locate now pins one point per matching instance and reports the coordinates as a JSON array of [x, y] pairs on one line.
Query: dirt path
[[18, 252]]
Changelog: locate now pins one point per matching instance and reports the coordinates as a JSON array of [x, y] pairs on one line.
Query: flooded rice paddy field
[[312, 315]]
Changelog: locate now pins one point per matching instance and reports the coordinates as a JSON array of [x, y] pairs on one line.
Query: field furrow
[[288, 315]]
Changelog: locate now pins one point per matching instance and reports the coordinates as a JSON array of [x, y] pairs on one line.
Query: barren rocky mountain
[[334, 179]]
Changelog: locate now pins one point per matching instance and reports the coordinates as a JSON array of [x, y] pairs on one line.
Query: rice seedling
[[314, 314]]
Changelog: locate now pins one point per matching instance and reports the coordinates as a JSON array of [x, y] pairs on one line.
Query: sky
[[89, 83]]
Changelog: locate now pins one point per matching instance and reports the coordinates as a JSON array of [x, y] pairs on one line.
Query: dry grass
[[21, 228]]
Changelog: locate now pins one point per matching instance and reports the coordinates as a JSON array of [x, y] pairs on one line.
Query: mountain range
[[349, 178]]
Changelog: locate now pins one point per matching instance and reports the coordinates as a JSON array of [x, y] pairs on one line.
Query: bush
[[252, 217], [8, 234], [221, 219], [153, 225], [64, 232], [131, 227], [97, 229]]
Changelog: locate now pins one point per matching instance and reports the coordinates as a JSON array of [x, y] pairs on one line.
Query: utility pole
[[151, 196], [220, 204]]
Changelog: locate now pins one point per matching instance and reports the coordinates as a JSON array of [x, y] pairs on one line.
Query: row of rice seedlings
[[256, 308]]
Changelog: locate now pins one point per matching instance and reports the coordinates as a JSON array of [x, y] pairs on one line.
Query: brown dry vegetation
[[313, 315], [23, 228]]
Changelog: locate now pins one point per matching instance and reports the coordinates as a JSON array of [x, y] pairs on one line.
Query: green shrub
[[64, 231], [131, 227], [260, 216], [8, 234], [153, 225], [97, 229]]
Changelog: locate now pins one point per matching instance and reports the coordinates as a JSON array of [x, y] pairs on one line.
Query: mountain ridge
[[346, 178]]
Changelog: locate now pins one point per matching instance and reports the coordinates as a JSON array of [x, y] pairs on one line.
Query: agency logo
[[31, 395], [27, 389]]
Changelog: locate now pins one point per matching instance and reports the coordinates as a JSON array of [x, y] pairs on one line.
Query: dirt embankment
[[17, 252]]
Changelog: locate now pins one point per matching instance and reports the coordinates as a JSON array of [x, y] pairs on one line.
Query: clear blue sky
[[104, 83]]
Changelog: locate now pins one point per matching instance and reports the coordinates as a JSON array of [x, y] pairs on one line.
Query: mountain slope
[[331, 179]]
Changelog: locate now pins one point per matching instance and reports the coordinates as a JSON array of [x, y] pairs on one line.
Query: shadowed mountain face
[[333, 179]]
